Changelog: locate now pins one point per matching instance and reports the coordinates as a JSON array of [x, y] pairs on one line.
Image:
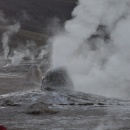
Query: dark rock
[[86, 104], [57, 79], [101, 104], [40, 108], [72, 104], [9, 103]]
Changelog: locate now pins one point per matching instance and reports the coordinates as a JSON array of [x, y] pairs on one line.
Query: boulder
[[34, 75], [57, 79], [8, 102], [40, 108]]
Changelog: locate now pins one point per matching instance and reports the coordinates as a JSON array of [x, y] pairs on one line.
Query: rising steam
[[29, 52], [95, 47], [12, 29]]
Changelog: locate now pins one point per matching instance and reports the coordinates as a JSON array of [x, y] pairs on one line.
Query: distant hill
[[34, 15]]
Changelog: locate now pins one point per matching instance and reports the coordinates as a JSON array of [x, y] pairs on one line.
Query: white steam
[[28, 51], [95, 47], [23, 51], [17, 58], [42, 53], [2, 18], [12, 29]]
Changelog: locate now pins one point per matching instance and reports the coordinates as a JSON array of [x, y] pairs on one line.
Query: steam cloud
[[26, 52], [6, 37], [30, 51], [95, 47]]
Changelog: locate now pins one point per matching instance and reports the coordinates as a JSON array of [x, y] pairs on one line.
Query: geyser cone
[[57, 79]]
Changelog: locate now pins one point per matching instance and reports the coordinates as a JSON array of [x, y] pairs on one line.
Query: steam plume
[[95, 47], [23, 52], [29, 51], [3, 20], [6, 37]]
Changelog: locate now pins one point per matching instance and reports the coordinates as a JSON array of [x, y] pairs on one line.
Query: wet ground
[[68, 118], [109, 115], [75, 111]]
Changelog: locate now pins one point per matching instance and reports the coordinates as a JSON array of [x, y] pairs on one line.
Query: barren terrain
[[24, 106], [74, 110]]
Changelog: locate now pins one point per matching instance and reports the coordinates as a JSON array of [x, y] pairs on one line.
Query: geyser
[[95, 47]]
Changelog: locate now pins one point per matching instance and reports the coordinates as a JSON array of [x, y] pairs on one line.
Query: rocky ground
[[59, 109]]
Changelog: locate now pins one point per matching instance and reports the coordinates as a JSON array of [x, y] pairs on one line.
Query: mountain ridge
[[36, 14]]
